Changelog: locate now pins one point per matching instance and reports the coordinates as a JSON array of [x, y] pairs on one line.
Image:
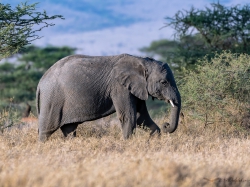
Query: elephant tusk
[[171, 102]]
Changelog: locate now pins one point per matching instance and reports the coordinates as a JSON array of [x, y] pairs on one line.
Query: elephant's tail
[[38, 101]]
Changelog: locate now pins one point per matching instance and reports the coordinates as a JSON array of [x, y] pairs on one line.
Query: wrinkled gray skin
[[82, 88]]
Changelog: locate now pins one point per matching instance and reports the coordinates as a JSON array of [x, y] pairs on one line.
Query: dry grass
[[98, 156]]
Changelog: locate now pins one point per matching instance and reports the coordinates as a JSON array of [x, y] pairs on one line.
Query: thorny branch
[[16, 27]]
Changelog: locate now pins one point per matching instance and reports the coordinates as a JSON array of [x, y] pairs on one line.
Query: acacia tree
[[17, 26], [204, 32], [221, 28]]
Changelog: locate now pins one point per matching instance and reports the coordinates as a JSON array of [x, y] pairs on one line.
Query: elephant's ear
[[131, 73]]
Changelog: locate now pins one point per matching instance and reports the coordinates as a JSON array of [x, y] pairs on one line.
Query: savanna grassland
[[217, 155], [211, 146]]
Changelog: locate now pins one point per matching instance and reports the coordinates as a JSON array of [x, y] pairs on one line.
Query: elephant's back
[[81, 62], [85, 60]]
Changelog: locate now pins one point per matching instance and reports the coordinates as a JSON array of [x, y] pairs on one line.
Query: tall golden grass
[[218, 155]]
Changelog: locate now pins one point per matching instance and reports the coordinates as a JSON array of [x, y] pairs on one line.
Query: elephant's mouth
[[169, 101], [160, 97]]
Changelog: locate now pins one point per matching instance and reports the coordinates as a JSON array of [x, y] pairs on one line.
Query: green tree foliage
[[204, 32], [19, 81], [42, 58], [17, 26], [179, 55], [220, 27], [219, 89]]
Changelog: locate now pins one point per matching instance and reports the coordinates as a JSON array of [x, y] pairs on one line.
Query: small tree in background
[[41, 58], [179, 55], [17, 26], [219, 90], [200, 33], [221, 28]]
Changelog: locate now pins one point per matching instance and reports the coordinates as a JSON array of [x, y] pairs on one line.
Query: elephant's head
[[146, 76], [161, 85]]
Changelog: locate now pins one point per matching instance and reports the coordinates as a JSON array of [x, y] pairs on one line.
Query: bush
[[218, 90], [8, 118]]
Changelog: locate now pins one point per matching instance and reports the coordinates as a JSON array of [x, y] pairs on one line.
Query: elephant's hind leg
[[69, 129]]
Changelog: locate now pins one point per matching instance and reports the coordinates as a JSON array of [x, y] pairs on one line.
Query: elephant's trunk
[[174, 115]]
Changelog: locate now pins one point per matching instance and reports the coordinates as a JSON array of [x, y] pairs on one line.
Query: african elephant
[[82, 88]]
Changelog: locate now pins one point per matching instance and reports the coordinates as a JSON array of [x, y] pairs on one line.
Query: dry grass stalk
[[98, 156]]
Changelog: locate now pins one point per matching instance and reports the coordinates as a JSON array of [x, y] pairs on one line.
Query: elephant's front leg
[[144, 120], [125, 107]]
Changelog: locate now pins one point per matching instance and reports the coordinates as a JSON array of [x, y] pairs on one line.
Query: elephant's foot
[[153, 129], [155, 132]]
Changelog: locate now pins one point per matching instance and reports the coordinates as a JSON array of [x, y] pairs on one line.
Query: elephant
[[81, 88]]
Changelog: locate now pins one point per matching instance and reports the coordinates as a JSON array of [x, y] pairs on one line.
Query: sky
[[111, 27]]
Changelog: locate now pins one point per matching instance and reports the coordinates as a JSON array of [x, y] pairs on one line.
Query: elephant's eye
[[164, 82]]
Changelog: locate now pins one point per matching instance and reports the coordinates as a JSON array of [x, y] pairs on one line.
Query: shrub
[[8, 118], [218, 90]]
